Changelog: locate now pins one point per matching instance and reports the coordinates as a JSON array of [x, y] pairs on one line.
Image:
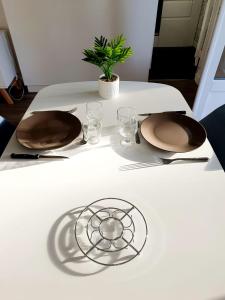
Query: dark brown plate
[[48, 130], [173, 132]]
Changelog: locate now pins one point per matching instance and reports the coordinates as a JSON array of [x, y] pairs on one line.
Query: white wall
[[49, 36], [7, 67], [3, 23]]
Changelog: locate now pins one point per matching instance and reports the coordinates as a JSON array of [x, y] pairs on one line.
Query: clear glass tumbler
[[128, 124], [93, 126], [92, 131], [94, 110]]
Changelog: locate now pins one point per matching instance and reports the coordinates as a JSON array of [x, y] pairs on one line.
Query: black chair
[[6, 131], [214, 124]]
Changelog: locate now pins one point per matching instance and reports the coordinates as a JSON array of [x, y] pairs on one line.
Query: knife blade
[[183, 112], [34, 156]]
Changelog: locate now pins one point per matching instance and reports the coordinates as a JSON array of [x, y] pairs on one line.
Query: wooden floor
[[14, 113], [187, 87]]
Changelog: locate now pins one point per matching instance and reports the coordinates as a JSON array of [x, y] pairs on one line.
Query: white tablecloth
[[184, 204]]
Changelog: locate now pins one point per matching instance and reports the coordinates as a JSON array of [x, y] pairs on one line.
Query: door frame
[[179, 23], [210, 88]]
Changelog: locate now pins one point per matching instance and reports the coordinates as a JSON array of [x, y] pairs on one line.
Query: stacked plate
[[46, 130], [172, 131]]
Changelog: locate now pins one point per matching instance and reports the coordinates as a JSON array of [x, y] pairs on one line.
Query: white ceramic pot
[[108, 89]]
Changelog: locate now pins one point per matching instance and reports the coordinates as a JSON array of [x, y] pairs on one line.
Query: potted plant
[[106, 54]]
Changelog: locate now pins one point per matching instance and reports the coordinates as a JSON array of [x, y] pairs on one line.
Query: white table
[[184, 205]]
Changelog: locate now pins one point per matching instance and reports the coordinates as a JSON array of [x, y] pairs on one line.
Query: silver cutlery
[[83, 141], [183, 112], [137, 135], [67, 111], [161, 161], [34, 156], [71, 110]]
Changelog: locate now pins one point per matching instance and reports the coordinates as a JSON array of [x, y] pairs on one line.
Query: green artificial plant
[[105, 54]]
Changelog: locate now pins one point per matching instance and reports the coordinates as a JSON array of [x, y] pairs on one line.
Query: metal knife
[[183, 112], [34, 156], [137, 136]]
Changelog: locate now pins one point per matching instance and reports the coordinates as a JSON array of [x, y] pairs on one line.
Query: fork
[[161, 161]]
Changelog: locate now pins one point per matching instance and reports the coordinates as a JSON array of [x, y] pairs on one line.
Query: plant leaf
[[106, 54], [102, 42]]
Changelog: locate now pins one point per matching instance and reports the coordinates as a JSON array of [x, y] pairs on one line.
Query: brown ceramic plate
[[48, 130], [173, 132]]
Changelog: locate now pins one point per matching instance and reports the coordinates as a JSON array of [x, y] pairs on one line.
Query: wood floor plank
[[187, 87], [14, 113]]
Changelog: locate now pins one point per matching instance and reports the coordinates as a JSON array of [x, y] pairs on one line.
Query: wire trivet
[[111, 231]]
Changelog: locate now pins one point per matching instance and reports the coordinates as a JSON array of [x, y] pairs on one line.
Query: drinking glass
[[92, 131], [92, 127], [128, 124], [94, 111]]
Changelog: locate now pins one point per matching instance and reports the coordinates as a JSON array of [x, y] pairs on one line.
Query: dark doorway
[[176, 36], [173, 63]]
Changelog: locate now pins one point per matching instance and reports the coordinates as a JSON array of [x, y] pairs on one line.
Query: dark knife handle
[[137, 138], [182, 112], [24, 156]]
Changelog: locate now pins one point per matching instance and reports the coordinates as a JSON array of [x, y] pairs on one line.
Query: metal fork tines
[[161, 161]]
